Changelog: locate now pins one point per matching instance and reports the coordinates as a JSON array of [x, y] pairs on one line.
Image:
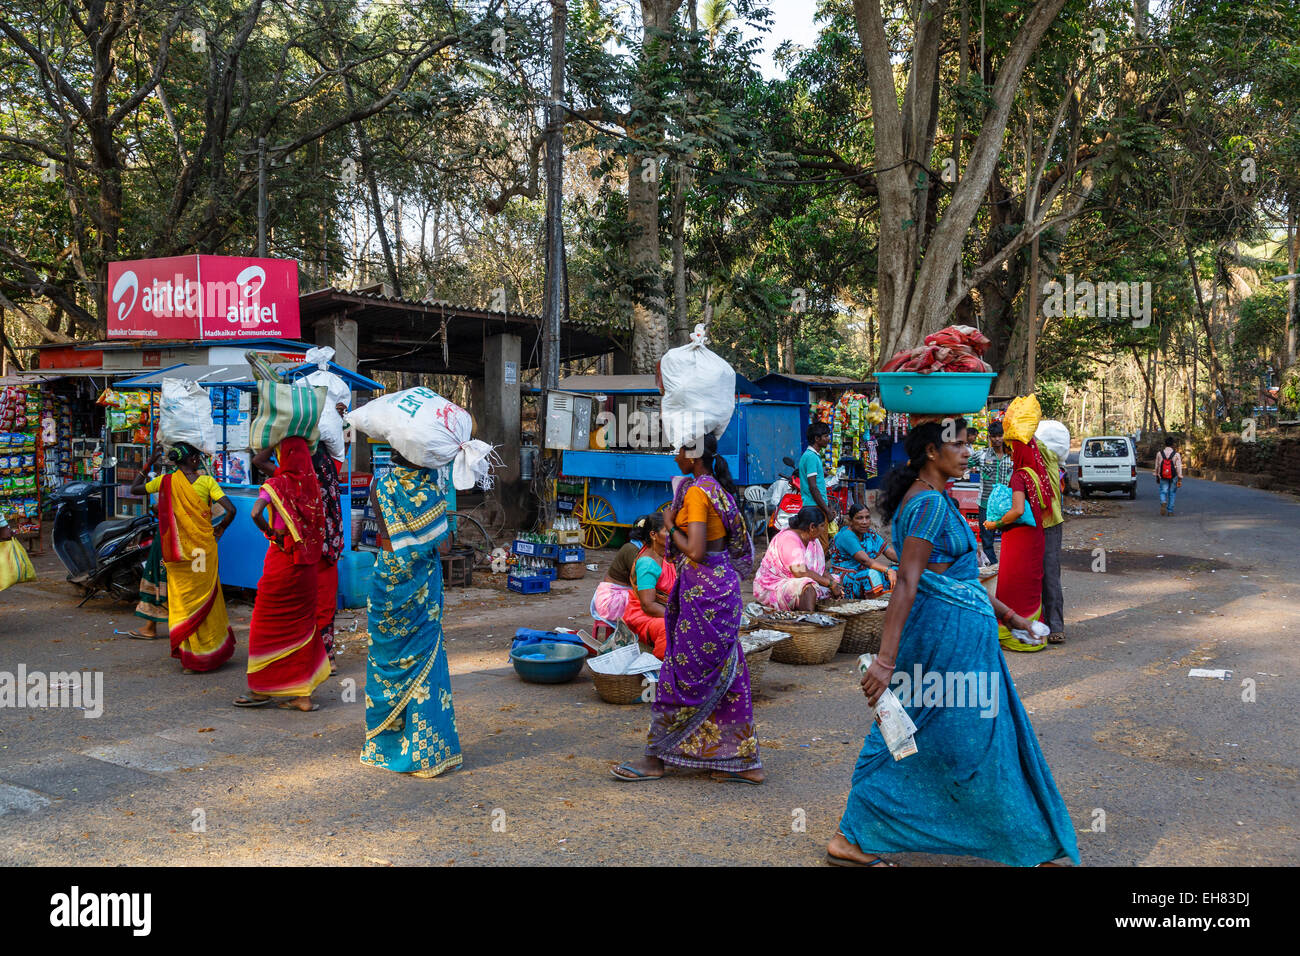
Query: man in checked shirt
[[994, 466]]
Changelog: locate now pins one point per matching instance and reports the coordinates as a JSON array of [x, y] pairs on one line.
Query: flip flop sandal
[[290, 705], [1056, 637], [251, 701], [637, 775], [844, 861], [727, 776], [138, 636], [1013, 644]]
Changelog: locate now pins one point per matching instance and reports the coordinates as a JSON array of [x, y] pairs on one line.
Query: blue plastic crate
[[533, 550], [571, 554], [532, 585]]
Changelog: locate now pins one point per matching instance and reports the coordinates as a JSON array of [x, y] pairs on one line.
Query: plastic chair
[[755, 500]]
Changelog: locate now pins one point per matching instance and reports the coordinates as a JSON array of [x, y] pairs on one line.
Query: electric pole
[[261, 197], [556, 291]]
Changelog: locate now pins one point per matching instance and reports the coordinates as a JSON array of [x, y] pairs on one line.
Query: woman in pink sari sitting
[[793, 573]]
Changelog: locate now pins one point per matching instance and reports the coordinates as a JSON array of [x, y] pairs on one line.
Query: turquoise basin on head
[[938, 393], [548, 663]]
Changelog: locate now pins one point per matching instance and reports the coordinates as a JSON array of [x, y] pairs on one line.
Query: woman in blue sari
[[410, 723], [978, 784], [861, 558]]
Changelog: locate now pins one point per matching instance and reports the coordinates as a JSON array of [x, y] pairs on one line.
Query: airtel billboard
[[203, 297]]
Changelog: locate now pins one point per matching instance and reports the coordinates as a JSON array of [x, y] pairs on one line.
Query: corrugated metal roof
[[435, 304], [639, 384], [835, 380], [239, 375]]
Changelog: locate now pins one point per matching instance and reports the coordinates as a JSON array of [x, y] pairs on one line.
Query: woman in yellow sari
[[197, 624]]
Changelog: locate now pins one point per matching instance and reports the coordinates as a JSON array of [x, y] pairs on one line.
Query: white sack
[[335, 388], [337, 392], [699, 392], [428, 431], [185, 415], [1054, 436]]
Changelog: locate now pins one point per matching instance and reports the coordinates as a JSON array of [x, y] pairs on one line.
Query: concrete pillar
[[500, 420], [340, 333]]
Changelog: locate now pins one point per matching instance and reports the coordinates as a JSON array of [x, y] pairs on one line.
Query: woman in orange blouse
[[703, 717]]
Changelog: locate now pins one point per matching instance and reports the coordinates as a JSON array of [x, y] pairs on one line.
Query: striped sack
[[286, 411]]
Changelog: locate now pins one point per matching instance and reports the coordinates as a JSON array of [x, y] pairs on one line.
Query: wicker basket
[[862, 633], [572, 571], [757, 662], [618, 688], [808, 644]]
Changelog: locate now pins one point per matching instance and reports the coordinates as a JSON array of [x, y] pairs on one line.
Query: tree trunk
[[915, 271], [1216, 370], [649, 315]]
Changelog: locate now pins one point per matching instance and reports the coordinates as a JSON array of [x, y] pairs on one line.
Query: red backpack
[[1167, 466]]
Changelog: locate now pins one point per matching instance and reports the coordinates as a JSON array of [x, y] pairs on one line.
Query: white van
[[1108, 463]]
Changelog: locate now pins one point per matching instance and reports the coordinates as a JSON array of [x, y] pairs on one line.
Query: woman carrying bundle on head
[[1020, 569], [410, 722], [865, 564], [286, 656], [197, 625], [793, 572], [327, 574], [702, 714], [653, 577], [977, 784]]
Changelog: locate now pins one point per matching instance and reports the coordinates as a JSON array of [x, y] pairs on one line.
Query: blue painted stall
[[622, 484], [807, 390]]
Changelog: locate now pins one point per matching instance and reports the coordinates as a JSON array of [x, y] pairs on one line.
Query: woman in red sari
[[1020, 570], [286, 656], [327, 585]]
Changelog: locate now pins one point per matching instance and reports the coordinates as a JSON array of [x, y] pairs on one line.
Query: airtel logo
[[126, 282], [250, 281]]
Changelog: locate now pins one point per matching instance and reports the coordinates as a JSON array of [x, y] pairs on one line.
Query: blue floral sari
[[410, 723], [978, 784], [858, 581]]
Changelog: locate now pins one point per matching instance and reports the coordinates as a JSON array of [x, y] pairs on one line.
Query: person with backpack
[[1169, 474]]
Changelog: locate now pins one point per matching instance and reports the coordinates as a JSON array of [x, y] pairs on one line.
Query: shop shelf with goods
[[20, 461]]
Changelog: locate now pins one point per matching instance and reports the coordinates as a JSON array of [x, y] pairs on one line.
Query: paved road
[[1183, 769]]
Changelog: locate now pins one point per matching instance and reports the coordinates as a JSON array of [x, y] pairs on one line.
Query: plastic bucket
[[355, 568], [939, 393]]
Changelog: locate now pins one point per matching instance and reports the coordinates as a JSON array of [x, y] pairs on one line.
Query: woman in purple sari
[[703, 717]]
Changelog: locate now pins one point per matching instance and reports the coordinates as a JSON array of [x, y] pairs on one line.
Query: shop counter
[[242, 548]]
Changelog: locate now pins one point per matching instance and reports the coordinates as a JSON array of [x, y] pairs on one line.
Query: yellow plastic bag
[[15, 566], [1021, 419]]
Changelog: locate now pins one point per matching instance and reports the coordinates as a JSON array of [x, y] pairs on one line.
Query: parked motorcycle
[[784, 499], [100, 555]]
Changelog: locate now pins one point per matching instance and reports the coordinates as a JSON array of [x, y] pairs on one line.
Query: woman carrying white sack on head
[[328, 462], [410, 722]]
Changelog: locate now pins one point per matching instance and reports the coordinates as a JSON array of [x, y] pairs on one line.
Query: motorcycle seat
[[109, 529]]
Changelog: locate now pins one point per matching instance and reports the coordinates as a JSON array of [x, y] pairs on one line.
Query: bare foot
[[640, 769], [303, 704], [753, 776], [841, 849]]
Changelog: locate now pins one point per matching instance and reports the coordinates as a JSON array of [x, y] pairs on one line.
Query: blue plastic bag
[[527, 635], [1000, 503]]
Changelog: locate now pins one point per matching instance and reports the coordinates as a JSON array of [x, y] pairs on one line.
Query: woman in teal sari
[[977, 784], [410, 723], [861, 558]]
